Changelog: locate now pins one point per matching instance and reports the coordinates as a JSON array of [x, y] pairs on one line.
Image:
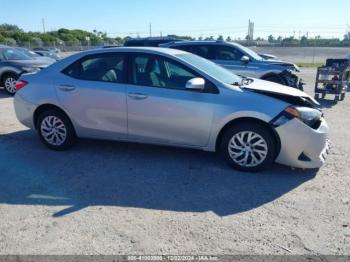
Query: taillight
[[20, 84]]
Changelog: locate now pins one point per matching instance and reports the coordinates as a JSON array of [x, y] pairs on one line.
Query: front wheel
[[248, 147], [55, 130], [9, 83]]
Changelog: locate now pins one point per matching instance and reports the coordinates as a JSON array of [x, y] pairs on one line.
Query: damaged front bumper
[[293, 80], [301, 145]]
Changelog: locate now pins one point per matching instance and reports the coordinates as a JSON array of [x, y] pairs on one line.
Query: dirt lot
[[116, 198]]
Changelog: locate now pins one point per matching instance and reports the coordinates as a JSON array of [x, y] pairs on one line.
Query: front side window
[[201, 50], [108, 67], [217, 72], [156, 71], [227, 53]]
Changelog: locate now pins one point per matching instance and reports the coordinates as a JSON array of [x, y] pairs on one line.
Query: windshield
[[250, 52], [13, 54], [212, 69], [29, 53]]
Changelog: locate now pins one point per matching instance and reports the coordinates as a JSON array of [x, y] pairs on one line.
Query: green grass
[[309, 65]]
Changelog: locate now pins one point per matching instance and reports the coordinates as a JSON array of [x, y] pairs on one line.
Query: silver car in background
[[171, 97], [243, 61]]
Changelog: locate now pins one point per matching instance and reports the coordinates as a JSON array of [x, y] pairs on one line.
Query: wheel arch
[[240, 120], [44, 107]]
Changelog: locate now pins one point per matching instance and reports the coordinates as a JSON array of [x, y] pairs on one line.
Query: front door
[[160, 109]]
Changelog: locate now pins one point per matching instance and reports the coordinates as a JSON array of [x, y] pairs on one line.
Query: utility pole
[[250, 30], [43, 21], [150, 29]]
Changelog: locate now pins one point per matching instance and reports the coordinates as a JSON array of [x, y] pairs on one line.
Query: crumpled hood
[[281, 63], [279, 91]]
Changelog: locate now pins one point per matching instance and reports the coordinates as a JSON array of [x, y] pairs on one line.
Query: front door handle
[[67, 87], [137, 96]]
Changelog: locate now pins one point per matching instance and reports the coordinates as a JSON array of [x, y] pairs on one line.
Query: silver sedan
[[171, 97]]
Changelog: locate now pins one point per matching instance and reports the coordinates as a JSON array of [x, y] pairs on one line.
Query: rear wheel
[[248, 147], [9, 83], [342, 96], [55, 130]]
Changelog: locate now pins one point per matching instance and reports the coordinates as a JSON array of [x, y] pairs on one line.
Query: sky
[[183, 17]]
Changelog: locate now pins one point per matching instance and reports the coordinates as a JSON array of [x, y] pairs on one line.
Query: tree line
[[14, 36]]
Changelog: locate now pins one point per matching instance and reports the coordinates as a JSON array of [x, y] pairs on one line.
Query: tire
[[9, 83], [342, 97], [58, 124], [236, 147], [276, 79]]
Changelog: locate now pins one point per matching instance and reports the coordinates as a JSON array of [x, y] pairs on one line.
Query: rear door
[[93, 92]]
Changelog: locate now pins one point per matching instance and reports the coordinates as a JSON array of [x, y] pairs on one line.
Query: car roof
[[152, 38], [202, 42], [156, 50]]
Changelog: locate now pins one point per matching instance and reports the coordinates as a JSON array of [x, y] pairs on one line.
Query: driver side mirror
[[195, 84], [245, 59]]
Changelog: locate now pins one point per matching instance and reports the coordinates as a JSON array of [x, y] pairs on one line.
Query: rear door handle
[[66, 87], [137, 96]]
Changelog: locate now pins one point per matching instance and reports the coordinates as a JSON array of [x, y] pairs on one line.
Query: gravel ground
[[117, 198]]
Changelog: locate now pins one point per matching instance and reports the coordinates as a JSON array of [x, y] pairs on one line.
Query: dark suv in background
[[242, 61]]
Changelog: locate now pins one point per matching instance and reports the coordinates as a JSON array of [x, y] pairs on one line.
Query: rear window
[[108, 67]]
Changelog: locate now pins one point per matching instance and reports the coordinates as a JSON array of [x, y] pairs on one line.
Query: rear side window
[[200, 50], [227, 53], [107, 67], [182, 47]]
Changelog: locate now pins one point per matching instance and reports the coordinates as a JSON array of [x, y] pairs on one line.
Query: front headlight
[[30, 69], [308, 115]]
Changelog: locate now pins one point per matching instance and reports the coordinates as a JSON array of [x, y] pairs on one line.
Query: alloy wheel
[[53, 130], [10, 85], [247, 149]]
